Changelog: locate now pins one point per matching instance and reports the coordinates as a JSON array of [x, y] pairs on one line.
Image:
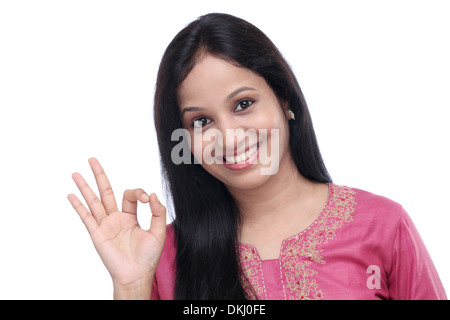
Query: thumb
[[158, 223]]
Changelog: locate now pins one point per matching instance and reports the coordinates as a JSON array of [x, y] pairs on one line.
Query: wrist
[[136, 290]]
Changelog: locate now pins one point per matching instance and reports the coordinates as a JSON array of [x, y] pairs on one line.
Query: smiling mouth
[[241, 157]]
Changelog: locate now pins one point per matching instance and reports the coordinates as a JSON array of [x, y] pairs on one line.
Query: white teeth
[[242, 157]]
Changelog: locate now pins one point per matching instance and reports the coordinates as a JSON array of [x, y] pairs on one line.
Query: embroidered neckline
[[327, 203], [301, 256]]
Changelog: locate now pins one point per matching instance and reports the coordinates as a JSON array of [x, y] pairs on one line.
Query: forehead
[[214, 78]]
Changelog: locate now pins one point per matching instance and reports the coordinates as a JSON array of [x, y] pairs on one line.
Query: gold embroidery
[[251, 274], [301, 253], [299, 282]]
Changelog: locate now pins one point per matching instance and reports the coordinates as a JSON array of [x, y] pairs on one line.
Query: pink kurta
[[361, 246]]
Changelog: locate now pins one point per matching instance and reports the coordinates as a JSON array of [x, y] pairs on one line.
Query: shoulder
[[376, 222], [373, 216], [369, 205]]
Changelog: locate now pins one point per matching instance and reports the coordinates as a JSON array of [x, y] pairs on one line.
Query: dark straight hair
[[206, 216]]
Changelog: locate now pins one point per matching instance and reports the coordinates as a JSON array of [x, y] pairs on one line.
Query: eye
[[200, 122], [243, 104]]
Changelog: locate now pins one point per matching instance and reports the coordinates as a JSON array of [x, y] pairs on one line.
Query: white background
[[77, 80]]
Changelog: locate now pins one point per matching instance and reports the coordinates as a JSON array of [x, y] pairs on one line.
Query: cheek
[[283, 137], [277, 135], [269, 115], [198, 146], [266, 120], [273, 120], [205, 149]]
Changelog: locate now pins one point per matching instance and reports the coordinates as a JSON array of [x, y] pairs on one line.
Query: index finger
[[106, 192]]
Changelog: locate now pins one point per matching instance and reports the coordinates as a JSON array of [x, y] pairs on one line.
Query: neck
[[283, 195]]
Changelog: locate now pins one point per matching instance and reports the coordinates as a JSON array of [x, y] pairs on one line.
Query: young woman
[[240, 232]]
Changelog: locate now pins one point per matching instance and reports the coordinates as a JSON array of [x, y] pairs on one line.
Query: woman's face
[[238, 131]]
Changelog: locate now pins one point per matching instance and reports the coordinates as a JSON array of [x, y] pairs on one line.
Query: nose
[[234, 136]]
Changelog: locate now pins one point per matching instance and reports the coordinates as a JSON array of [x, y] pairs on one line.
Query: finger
[[106, 192], [158, 223], [94, 204], [84, 213], [130, 198]]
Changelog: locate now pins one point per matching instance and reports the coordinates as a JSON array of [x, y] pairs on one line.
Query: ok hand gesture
[[130, 253]]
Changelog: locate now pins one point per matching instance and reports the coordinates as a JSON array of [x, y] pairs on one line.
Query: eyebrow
[[237, 91], [187, 109], [228, 98]]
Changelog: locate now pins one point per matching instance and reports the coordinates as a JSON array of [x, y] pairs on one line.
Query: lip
[[245, 164]]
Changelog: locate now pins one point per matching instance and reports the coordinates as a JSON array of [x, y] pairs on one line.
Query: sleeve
[[413, 275], [155, 293]]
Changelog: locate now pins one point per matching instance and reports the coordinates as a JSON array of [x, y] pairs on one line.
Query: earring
[[292, 115]]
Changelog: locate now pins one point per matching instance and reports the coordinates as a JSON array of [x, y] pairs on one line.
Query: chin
[[243, 180]]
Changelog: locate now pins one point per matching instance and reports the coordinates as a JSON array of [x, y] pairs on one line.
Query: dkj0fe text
[[239, 309]]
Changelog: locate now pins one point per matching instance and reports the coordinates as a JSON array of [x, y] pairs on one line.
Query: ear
[[285, 106]]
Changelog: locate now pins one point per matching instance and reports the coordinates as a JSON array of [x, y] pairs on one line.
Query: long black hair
[[206, 215]]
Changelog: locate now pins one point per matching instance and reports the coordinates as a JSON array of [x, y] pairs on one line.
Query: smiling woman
[[239, 233], [232, 77]]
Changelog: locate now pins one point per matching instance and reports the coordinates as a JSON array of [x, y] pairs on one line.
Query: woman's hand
[[130, 253]]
